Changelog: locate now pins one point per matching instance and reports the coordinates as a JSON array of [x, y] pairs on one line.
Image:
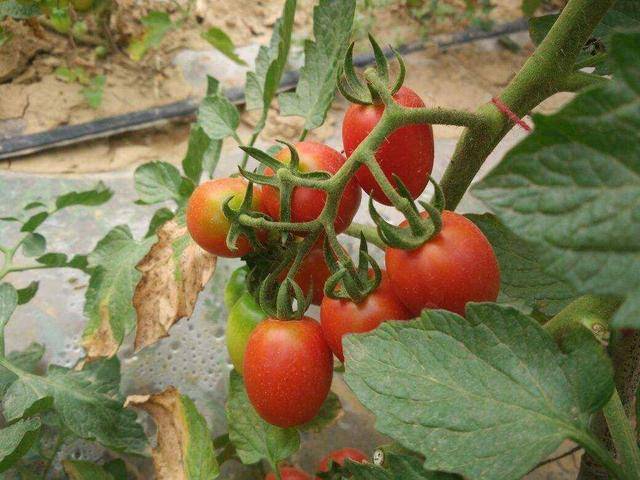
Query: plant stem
[[56, 448], [252, 141], [622, 435], [370, 233], [590, 311], [593, 446], [579, 80], [538, 79]]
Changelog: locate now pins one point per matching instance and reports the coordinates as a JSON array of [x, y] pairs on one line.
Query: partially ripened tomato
[[244, 317], [407, 152], [289, 473], [307, 203], [313, 273], [341, 317], [455, 267], [339, 456], [206, 221], [288, 368]]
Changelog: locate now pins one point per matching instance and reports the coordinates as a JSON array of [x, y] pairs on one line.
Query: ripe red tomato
[[407, 152], [206, 221], [288, 368], [289, 473], [455, 267], [339, 456], [340, 317], [307, 203]]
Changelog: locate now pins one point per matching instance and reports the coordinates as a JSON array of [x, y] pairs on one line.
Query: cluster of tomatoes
[[288, 364], [337, 456]]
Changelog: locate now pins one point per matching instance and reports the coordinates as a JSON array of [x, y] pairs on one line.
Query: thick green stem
[[594, 448], [538, 79], [590, 311], [622, 435]]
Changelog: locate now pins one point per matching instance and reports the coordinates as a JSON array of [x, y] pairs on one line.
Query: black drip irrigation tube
[[22, 145]]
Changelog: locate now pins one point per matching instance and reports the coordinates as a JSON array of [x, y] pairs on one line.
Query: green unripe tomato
[[236, 286], [245, 315]]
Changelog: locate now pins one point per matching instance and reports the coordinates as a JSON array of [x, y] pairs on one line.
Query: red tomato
[[289, 473], [307, 203], [206, 221], [407, 152], [288, 368], [340, 317], [455, 267], [339, 456]]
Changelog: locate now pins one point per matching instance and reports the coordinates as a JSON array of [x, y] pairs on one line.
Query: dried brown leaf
[[174, 272]]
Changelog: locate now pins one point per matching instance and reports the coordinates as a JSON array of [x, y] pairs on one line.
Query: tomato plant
[[407, 152], [455, 267], [339, 317], [207, 223], [287, 370], [526, 328]]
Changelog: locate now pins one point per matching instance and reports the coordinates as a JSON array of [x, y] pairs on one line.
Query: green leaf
[[202, 154], [213, 85], [89, 198], [66, 74], [329, 412], [8, 303], [5, 36], [94, 91], [18, 10], [332, 21], [261, 85], [82, 470], [573, 186], [53, 259], [157, 182], [117, 468], [397, 467], [467, 393], [254, 438], [27, 293], [27, 360], [114, 277], [34, 222], [87, 402], [221, 42], [529, 7], [179, 423], [160, 217], [157, 25], [524, 282], [16, 440], [218, 117], [34, 245]]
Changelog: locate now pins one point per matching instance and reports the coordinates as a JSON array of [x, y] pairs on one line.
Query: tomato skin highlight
[[206, 221], [307, 203], [339, 456], [455, 267], [288, 368], [289, 473], [341, 317], [244, 317], [407, 152]]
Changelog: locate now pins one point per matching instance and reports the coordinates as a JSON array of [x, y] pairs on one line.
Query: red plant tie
[[512, 116]]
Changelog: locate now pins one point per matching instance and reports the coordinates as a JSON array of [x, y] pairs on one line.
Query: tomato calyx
[[352, 88], [236, 228], [348, 282], [286, 177], [421, 227]]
